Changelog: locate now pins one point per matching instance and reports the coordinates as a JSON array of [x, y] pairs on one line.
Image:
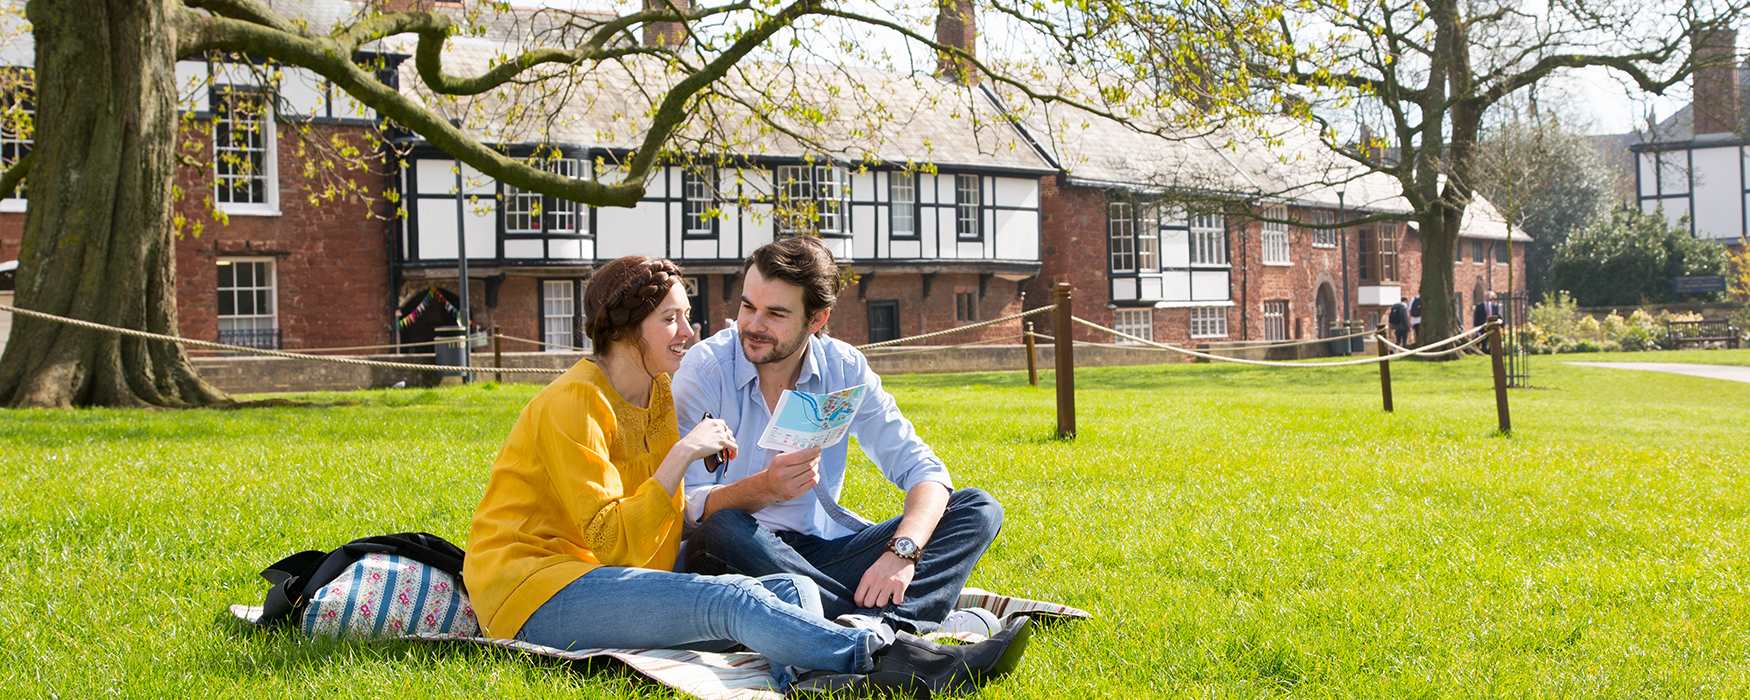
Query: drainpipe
[[1343, 240]]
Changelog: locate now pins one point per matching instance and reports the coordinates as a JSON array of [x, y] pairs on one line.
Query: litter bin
[[1338, 346], [1359, 342], [449, 354]]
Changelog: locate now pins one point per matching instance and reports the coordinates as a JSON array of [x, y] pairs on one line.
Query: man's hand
[[791, 474], [886, 581]]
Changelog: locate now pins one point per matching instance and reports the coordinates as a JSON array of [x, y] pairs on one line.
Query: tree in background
[[1547, 179], [1632, 258], [1425, 75]]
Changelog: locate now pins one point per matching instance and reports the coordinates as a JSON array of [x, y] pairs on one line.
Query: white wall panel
[[303, 92], [345, 107], [863, 232], [758, 228], [863, 186], [699, 249], [903, 249], [1017, 235], [435, 175], [566, 249], [437, 229], [234, 74], [929, 220], [1017, 192], [1151, 287], [1645, 163], [1675, 210], [1176, 285], [1123, 289], [524, 249], [1673, 172], [1208, 285], [1175, 247], [1718, 193], [481, 223], [627, 231]]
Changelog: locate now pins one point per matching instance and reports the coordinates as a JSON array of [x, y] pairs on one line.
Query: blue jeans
[[624, 608], [731, 541]]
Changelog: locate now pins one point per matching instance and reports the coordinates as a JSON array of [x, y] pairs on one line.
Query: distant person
[[1416, 319], [1398, 319]]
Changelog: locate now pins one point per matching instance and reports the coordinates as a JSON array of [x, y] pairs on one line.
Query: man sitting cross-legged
[[766, 513]]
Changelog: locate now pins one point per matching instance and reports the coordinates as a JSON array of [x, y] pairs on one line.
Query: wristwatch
[[904, 548]]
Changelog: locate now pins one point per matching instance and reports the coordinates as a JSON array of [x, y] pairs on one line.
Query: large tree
[[99, 233], [1406, 87]]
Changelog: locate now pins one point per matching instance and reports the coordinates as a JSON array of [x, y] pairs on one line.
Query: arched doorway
[[1325, 309], [422, 313]]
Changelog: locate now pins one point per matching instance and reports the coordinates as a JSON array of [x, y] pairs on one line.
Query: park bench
[[1681, 333]]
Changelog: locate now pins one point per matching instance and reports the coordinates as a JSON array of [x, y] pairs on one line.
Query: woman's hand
[[709, 437]]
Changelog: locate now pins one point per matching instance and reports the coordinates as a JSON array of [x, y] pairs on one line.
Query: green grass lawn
[[1236, 532]]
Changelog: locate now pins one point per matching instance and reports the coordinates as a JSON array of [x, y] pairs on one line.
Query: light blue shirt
[[715, 376]]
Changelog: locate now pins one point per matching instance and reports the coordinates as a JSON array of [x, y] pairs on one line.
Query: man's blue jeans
[[731, 542], [624, 608]]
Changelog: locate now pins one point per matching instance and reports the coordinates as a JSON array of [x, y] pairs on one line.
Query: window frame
[[1121, 232], [15, 145], [1500, 253], [1478, 252], [696, 221], [1137, 321], [268, 171], [271, 265], [965, 306], [544, 224], [869, 318], [1275, 314], [910, 206], [810, 186], [962, 206], [1208, 234], [1273, 239], [575, 294], [1325, 234], [1214, 317]]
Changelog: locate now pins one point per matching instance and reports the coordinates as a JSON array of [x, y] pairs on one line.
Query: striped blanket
[[711, 676]]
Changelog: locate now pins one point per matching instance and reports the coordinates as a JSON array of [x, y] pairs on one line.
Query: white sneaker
[[972, 620]]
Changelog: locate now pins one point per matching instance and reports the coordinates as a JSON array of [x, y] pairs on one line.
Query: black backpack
[[297, 577]]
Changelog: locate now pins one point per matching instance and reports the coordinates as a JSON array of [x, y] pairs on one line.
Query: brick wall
[[331, 260], [920, 314], [1073, 249]]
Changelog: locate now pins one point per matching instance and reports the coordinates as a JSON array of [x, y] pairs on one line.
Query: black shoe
[[914, 667]]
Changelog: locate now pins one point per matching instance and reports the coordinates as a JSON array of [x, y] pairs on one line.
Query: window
[[1121, 230], [1276, 320], [1148, 238], [1378, 258], [247, 301], [1137, 322], [559, 318], [1209, 322], [699, 202], [1324, 235], [531, 213], [1208, 239], [883, 321], [813, 199], [17, 121], [1476, 251], [902, 192], [1501, 253], [1274, 236], [244, 177], [965, 306], [966, 201]]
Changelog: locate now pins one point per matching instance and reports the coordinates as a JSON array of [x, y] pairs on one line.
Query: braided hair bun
[[621, 293]]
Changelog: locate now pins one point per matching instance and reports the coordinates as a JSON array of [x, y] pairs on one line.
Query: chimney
[[666, 33], [956, 26], [1713, 51]]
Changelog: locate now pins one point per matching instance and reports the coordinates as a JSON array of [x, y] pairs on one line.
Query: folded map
[[805, 420]]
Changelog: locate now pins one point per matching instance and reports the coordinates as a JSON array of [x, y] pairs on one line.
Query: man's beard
[[778, 353]]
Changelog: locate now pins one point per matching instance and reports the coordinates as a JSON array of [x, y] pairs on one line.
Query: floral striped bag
[[388, 595]]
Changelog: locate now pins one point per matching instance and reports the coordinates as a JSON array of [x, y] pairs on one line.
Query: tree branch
[[246, 10], [12, 176]]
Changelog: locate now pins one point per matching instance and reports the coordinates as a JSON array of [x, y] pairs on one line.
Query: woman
[[574, 544]]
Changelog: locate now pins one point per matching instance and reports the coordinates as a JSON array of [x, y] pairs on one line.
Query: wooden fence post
[[1032, 356], [1066, 364], [497, 355], [1502, 418], [1384, 369]]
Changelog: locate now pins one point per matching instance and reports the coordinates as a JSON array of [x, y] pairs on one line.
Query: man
[[765, 513]]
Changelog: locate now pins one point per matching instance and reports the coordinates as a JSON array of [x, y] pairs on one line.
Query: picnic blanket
[[714, 676]]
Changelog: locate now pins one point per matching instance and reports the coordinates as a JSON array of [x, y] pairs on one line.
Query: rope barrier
[[1279, 363], [1268, 344], [272, 353], [957, 329], [907, 351], [421, 344], [541, 343]]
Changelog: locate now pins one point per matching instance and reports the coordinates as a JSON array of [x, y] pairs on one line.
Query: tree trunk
[[1439, 249], [98, 243]]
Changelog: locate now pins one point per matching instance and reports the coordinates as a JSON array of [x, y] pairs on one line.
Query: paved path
[[1727, 372]]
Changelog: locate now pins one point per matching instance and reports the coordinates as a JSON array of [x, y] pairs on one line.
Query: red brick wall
[[1073, 249], [331, 260], [919, 314]]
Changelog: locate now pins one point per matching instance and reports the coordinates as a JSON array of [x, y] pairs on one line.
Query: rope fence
[[1062, 337]]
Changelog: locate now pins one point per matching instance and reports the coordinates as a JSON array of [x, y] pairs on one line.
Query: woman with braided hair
[[575, 542]]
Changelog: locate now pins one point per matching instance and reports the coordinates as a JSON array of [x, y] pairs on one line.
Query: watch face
[[904, 547]]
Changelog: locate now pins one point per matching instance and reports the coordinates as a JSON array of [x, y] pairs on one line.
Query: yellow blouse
[[572, 490]]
